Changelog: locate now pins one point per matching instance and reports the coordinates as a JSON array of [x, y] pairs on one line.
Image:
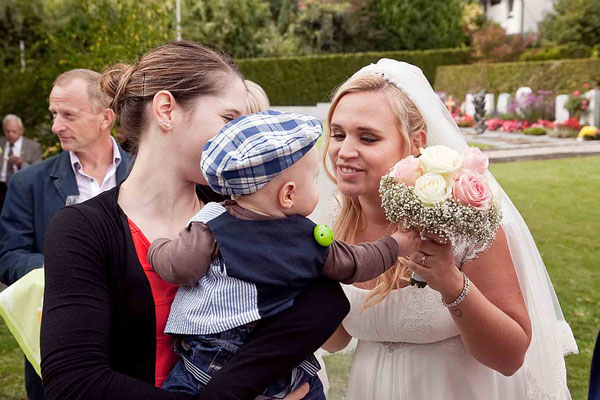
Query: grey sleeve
[[349, 263], [183, 261]]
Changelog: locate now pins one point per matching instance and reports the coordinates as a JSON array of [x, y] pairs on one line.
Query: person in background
[[257, 99], [17, 151], [594, 390], [90, 163]]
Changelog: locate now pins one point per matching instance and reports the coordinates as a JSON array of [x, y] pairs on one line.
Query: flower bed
[[567, 129], [589, 133], [463, 120], [509, 126]]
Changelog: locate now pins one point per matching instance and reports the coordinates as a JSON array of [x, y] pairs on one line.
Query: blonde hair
[[409, 122], [257, 99]]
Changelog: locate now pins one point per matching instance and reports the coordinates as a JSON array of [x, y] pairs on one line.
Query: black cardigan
[[98, 324]]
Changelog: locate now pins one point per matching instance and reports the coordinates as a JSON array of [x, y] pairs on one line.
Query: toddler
[[247, 258]]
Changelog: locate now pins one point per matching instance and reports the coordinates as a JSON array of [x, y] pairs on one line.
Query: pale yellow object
[[21, 309]]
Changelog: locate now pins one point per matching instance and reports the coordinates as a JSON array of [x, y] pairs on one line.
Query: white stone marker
[[561, 114], [522, 92], [489, 103], [504, 100], [591, 116], [469, 106]]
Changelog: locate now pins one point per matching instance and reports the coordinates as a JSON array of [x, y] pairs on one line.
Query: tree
[[287, 14], [322, 27], [416, 24], [241, 27], [19, 20], [574, 21]]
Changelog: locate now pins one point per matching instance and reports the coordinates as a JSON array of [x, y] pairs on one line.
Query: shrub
[[574, 21], [573, 50], [416, 24], [492, 44], [536, 131], [559, 76], [534, 106], [311, 79]]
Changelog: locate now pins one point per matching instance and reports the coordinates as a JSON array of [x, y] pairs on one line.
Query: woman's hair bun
[[114, 81]]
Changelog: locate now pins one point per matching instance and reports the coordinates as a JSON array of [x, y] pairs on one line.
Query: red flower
[[576, 93], [586, 85], [571, 123]]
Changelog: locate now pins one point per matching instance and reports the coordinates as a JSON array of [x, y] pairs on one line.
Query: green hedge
[[311, 79], [556, 52], [559, 76]]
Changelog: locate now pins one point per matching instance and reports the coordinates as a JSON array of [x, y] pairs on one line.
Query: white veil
[[552, 337]]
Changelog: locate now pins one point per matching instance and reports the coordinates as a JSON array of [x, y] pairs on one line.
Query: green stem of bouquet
[[419, 284]]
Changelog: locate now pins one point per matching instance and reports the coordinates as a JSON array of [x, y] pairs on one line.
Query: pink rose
[[471, 189], [475, 160], [576, 93], [407, 171]]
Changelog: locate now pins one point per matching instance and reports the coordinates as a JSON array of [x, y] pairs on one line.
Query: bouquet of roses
[[446, 194]]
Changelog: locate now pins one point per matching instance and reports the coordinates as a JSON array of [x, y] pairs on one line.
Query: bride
[[488, 325]]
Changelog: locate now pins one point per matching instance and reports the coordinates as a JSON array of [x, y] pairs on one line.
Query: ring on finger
[[422, 259]]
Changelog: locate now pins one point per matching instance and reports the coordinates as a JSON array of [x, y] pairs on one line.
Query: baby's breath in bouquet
[[446, 194]]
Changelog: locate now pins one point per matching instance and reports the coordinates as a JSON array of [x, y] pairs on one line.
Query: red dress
[[163, 293]]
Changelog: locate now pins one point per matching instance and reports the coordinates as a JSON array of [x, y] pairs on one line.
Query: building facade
[[518, 16]]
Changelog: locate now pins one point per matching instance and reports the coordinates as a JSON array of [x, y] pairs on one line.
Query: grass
[[12, 384], [555, 198], [481, 145]]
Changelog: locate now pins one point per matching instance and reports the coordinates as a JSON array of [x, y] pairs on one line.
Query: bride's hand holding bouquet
[[446, 196]]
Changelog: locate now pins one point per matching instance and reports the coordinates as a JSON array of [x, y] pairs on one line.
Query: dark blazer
[[31, 151], [594, 390], [34, 195]]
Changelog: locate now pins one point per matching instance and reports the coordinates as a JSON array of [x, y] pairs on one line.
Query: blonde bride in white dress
[[500, 333]]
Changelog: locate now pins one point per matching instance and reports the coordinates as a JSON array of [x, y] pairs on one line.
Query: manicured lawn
[[11, 367], [557, 200], [481, 145]]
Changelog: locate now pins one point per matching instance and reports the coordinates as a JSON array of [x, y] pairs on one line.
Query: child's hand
[[408, 242]]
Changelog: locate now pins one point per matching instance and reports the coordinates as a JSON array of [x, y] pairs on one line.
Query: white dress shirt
[[16, 152], [88, 185]]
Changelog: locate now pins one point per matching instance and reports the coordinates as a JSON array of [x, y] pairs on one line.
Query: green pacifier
[[323, 235]]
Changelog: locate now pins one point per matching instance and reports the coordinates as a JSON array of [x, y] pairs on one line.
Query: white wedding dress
[[408, 345], [409, 348]]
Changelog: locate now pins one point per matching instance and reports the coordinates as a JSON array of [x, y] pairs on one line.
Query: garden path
[[508, 147]]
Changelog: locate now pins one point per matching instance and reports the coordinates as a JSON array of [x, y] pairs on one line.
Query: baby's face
[[305, 173]]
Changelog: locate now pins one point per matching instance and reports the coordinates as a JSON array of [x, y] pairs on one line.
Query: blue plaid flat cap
[[251, 150]]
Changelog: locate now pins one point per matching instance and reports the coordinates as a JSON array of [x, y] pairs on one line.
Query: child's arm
[[184, 260], [349, 263]]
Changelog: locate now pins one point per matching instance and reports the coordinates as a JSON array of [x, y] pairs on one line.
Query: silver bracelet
[[462, 294]]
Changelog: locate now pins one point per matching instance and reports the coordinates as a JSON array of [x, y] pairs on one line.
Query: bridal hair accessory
[[552, 337], [445, 194]]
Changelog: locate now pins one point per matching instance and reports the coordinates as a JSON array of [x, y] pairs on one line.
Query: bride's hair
[[409, 122]]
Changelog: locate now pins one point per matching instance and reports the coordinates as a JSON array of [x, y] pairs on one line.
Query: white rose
[[432, 189], [440, 159], [496, 190]]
